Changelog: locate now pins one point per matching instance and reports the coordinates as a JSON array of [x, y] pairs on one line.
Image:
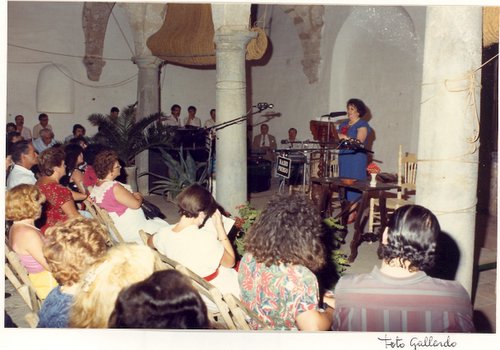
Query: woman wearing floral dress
[[276, 277]]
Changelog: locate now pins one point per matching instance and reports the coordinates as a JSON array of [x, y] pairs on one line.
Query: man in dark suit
[[265, 143]]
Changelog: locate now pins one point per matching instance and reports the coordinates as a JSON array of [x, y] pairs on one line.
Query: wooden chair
[[103, 217], [218, 310], [243, 318], [407, 180], [18, 276]]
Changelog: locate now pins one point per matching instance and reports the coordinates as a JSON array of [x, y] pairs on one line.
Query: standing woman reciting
[[352, 163]]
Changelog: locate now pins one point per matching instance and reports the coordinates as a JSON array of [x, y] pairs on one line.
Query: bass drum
[[259, 174]]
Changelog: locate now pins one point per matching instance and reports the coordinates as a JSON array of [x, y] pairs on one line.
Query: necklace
[[353, 122]]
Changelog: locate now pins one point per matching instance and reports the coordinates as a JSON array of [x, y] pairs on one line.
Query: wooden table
[[332, 184]]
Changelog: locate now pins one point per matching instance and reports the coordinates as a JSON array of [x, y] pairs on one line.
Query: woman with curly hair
[[165, 300], [123, 205], [70, 249], [399, 296], [60, 205], [23, 205], [282, 249], [121, 266]]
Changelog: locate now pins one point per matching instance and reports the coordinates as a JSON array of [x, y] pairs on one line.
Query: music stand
[[328, 137]]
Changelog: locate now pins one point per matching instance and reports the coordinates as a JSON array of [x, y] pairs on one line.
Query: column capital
[[147, 61], [231, 39]]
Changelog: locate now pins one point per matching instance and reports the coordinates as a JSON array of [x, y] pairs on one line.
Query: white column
[[148, 99], [231, 161], [448, 144]]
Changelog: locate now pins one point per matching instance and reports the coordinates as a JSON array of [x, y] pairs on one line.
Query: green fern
[[129, 137], [181, 174]]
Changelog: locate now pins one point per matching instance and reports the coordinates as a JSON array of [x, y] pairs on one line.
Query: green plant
[[129, 137], [335, 236], [181, 174], [246, 217]]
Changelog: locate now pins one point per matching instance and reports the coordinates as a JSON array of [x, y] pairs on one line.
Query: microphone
[[272, 114], [264, 105], [335, 114]]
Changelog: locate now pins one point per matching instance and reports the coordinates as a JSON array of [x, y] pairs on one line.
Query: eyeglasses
[[117, 167]]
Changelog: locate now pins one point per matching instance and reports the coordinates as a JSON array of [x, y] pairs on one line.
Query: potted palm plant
[[129, 137]]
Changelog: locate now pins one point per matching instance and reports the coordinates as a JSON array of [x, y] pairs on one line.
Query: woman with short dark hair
[[165, 300], [60, 204], [282, 249], [118, 199], [353, 162]]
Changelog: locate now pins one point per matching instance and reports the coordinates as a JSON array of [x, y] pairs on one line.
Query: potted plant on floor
[[128, 136]]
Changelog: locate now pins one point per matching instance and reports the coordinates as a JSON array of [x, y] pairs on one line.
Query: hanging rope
[[257, 47]]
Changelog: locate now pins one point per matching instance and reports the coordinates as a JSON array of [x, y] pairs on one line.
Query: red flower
[[373, 168]]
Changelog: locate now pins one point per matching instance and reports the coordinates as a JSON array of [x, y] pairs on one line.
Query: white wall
[[384, 73], [357, 60], [57, 28], [377, 58]]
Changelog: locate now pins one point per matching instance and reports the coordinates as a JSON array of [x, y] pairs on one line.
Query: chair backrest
[[407, 172], [17, 275], [243, 318], [103, 217]]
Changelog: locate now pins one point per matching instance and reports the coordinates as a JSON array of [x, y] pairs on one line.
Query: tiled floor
[[485, 289]]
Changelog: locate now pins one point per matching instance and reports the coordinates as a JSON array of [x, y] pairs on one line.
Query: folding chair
[[103, 217]]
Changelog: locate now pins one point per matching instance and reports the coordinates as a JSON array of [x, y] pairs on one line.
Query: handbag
[[151, 211]]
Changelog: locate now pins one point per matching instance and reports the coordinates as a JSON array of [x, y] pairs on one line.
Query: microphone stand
[[220, 127]]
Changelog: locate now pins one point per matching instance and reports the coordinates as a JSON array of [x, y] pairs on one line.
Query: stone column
[[145, 19], [148, 98], [231, 161], [449, 126]]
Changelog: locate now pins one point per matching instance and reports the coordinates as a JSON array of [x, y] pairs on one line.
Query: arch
[[377, 58], [55, 90]]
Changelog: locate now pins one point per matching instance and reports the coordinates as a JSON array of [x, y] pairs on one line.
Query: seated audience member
[[46, 140], [60, 205], [25, 132], [282, 249], [174, 119], [399, 296], [114, 113], [192, 119], [78, 131], [73, 179], [13, 137], [81, 141], [204, 249], [23, 205], [89, 154], [211, 122], [10, 127], [70, 249], [24, 157], [43, 119], [121, 266], [123, 205], [165, 300]]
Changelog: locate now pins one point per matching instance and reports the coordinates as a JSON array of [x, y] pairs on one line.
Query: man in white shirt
[[210, 122], [174, 119], [25, 132], [265, 143], [24, 157], [192, 119], [46, 140], [43, 119]]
